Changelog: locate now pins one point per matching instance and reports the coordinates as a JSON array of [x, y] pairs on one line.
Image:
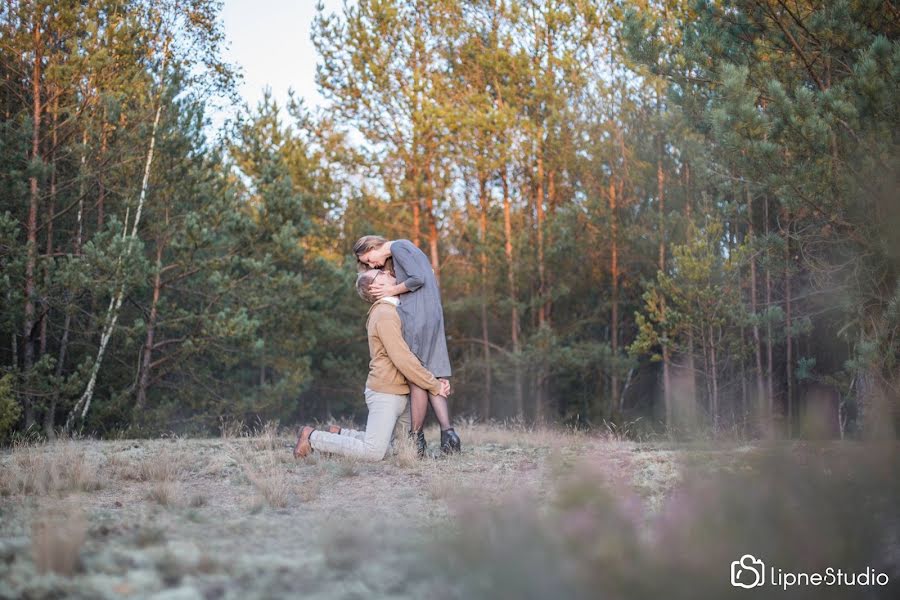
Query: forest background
[[670, 216]]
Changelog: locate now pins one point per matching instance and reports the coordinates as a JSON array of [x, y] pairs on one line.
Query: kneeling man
[[392, 364]]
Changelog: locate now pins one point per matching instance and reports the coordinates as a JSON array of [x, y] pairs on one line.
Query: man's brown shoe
[[335, 429], [303, 447]]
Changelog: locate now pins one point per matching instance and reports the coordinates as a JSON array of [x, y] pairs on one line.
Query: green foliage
[[693, 198], [9, 406]]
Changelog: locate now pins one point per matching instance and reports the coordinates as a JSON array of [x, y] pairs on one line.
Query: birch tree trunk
[[115, 303]]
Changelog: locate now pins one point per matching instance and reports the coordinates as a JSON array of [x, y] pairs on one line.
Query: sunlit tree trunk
[[614, 285], [548, 243], [417, 224], [433, 239], [31, 223], [539, 214], [485, 337], [540, 376], [101, 186], [514, 325], [48, 226], [49, 414]]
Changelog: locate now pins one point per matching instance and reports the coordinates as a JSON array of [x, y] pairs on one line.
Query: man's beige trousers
[[385, 412]]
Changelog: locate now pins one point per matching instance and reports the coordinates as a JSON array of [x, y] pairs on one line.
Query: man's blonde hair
[[364, 282]]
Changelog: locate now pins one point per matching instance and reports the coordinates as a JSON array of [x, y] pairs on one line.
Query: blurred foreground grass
[[520, 514]]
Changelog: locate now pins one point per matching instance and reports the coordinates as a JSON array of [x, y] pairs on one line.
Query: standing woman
[[422, 317]]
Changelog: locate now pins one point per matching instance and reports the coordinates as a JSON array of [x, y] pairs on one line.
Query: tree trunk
[[705, 342], [539, 213], [764, 420], [713, 365], [31, 224], [433, 239], [742, 333], [690, 366], [514, 325], [49, 414], [101, 187], [45, 304], [789, 357], [147, 354], [14, 339], [614, 284], [661, 205], [79, 217], [770, 386], [417, 223], [548, 243], [541, 314], [483, 201]]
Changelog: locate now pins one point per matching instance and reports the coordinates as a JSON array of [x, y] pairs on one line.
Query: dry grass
[[231, 428], [164, 492], [444, 486], [122, 468], [56, 541], [164, 465], [404, 453], [310, 489], [54, 468], [516, 434], [343, 467], [266, 437], [162, 471], [268, 477]]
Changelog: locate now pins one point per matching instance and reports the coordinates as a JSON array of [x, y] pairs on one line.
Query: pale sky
[[269, 40]]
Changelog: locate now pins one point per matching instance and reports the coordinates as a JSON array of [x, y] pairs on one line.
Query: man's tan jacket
[[392, 363]]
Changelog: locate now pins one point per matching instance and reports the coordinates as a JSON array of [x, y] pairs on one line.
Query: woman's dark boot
[[450, 441], [418, 437]]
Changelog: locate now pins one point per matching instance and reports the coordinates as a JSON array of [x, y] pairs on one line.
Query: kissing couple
[[409, 364]]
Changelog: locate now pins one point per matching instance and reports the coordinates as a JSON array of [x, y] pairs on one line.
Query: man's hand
[[446, 390], [380, 290]]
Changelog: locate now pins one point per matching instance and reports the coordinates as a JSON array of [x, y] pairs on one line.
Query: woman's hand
[[446, 390], [380, 290]]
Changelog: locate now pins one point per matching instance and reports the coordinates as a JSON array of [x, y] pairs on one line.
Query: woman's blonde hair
[[365, 244]]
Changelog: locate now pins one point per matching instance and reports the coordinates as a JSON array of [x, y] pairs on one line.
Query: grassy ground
[[238, 517]]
